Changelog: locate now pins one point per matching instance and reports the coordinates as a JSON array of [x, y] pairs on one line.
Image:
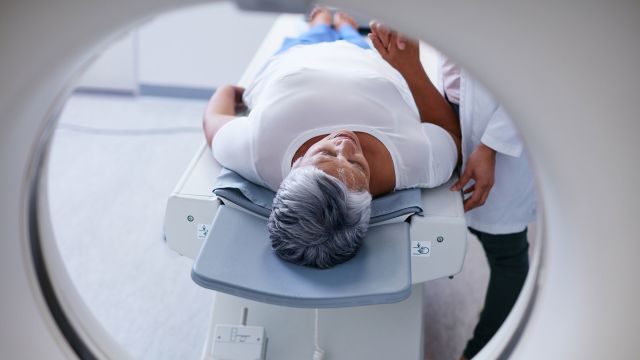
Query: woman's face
[[339, 154]]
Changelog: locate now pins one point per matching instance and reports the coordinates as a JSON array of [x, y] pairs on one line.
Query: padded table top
[[237, 259], [232, 187]]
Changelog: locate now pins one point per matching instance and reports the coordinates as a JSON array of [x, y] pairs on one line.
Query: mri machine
[[567, 71]]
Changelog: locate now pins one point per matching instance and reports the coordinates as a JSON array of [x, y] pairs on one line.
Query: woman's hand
[[227, 100], [223, 106], [399, 51], [404, 55]]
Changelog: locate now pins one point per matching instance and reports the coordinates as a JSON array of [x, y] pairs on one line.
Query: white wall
[[201, 47], [114, 69]]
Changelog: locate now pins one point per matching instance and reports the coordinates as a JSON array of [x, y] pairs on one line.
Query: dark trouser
[[509, 263]]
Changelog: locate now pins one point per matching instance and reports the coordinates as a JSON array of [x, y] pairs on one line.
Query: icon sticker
[[421, 248], [203, 231]]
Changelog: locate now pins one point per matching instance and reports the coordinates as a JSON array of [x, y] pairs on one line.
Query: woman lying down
[[333, 123]]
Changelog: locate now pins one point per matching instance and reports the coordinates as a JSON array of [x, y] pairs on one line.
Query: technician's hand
[[399, 51], [481, 169]]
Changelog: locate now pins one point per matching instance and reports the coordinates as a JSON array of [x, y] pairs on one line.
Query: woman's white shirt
[[313, 90]]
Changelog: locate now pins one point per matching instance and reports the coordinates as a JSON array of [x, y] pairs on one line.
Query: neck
[[383, 176]]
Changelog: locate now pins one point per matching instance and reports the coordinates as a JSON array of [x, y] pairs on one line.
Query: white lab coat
[[511, 204]]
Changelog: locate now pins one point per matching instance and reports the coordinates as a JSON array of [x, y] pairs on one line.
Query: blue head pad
[[237, 258], [234, 188]]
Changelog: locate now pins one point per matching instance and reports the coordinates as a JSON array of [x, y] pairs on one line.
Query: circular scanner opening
[[120, 147]]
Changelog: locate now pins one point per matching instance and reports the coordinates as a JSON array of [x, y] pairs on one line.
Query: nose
[[346, 147]]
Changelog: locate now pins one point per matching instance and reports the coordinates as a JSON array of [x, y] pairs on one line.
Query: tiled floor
[[108, 190], [113, 163]]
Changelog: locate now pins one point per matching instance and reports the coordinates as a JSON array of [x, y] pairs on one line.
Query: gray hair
[[316, 220]]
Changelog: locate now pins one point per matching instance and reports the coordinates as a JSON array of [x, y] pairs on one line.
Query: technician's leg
[[509, 263]]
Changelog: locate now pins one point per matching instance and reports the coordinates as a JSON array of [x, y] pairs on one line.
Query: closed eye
[[357, 164], [327, 153]]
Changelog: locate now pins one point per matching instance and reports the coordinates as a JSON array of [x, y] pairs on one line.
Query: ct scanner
[[566, 71]]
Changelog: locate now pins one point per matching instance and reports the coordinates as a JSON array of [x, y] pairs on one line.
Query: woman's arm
[[222, 107], [404, 55]]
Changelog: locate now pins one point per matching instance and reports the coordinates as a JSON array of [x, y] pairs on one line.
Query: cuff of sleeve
[[502, 147]]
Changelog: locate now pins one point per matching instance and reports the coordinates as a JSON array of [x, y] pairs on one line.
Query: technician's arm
[[221, 108], [404, 55], [500, 136]]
